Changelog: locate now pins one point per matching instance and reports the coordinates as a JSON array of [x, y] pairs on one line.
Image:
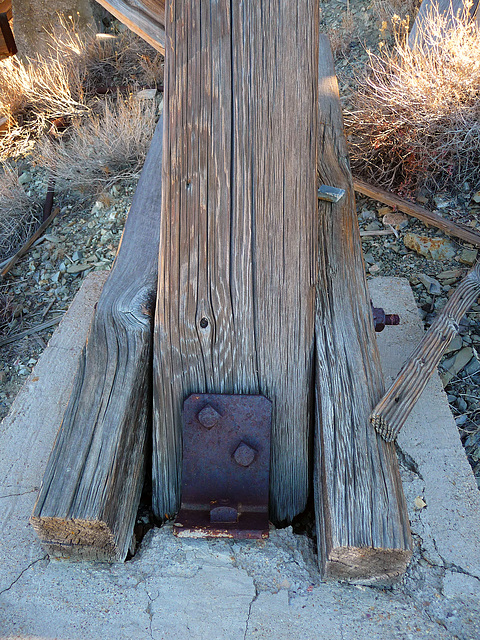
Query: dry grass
[[69, 82], [102, 149], [18, 212], [83, 87], [387, 12], [416, 117]]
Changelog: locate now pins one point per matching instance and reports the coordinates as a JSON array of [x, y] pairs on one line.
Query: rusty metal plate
[[226, 463]]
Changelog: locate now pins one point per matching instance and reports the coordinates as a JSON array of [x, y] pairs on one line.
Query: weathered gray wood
[[88, 500], [146, 18], [362, 524], [237, 271], [391, 413], [449, 9]]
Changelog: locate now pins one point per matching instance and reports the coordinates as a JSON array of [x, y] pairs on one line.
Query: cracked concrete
[[176, 588]]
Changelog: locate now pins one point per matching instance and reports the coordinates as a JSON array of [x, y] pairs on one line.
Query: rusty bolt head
[[208, 417], [244, 455]]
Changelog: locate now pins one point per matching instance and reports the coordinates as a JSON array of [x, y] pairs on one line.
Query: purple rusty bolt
[[208, 417], [382, 319], [244, 455]]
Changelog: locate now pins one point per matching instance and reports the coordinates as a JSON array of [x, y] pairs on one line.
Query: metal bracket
[[330, 194], [226, 463]]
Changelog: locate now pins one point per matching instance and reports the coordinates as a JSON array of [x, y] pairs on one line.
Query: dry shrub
[[100, 150], [67, 83], [18, 212], [387, 12], [416, 116], [7, 308]]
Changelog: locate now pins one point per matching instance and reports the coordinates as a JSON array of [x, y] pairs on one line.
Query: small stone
[[420, 502], [367, 214], [383, 211], [373, 226], [452, 366], [77, 255], [468, 257], [451, 274], [462, 405], [461, 420], [473, 367], [395, 220], [455, 345], [431, 285], [77, 268], [98, 206], [25, 178], [375, 268], [146, 94], [476, 197], [422, 199], [442, 201], [369, 258], [435, 248]]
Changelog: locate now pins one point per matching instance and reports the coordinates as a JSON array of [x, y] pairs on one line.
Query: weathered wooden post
[[239, 269], [236, 291], [261, 290]]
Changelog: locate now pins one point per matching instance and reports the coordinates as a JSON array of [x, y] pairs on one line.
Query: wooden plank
[[28, 332], [28, 432], [449, 9], [89, 497], [236, 293], [146, 18], [391, 413], [362, 523], [429, 217]]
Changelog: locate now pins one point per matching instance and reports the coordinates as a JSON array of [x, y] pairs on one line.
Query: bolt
[[208, 417], [244, 455]]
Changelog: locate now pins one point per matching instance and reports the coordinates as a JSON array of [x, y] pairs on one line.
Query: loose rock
[[435, 248], [468, 256]]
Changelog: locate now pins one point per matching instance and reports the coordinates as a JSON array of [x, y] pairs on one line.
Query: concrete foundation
[[196, 589], [33, 19]]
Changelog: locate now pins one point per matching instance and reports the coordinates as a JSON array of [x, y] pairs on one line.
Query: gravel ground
[[85, 237]]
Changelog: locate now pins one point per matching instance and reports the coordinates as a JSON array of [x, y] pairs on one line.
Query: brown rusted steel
[[226, 462], [8, 46], [48, 205], [382, 319]]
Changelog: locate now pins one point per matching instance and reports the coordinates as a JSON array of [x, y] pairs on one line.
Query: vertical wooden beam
[[89, 497], [362, 523], [235, 310]]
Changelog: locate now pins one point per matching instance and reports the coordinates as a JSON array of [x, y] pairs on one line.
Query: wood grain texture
[[447, 226], [146, 18], [362, 523], [89, 496], [237, 247], [450, 9], [391, 413]]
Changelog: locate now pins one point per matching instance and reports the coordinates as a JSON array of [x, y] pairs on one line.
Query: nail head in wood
[[330, 194]]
